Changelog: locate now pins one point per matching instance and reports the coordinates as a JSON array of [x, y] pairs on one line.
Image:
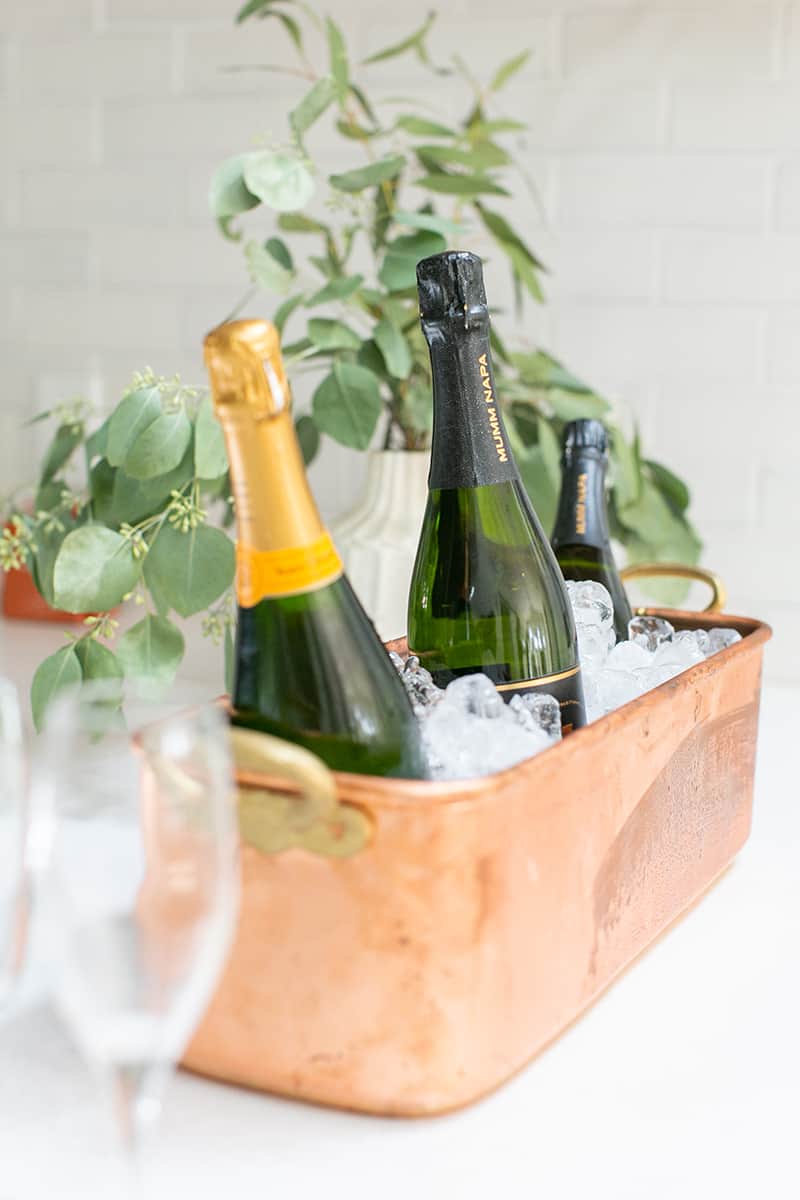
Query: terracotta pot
[[23, 601], [442, 934]]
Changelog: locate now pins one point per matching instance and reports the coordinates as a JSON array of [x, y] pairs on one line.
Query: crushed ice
[[468, 730]]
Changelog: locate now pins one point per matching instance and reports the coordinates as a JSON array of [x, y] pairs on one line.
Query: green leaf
[[116, 497], [190, 570], [210, 458], [228, 194], [355, 132], [461, 185], [294, 222], [265, 270], [97, 661], [394, 348], [482, 128], [337, 289], [363, 102], [364, 177], [338, 56], [416, 408], [160, 447], [627, 473], [504, 73], [572, 406], [508, 238], [281, 180], [285, 310], [280, 252], [43, 561], [399, 267], [97, 442], [60, 670], [673, 489], [313, 105], [152, 650], [94, 571], [291, 27], [347, 405], [66, 439], [420, 127], [308, 437], [327, 334], [254, 8], [131, 417], [430, 221], [481, 158], [413, 42]]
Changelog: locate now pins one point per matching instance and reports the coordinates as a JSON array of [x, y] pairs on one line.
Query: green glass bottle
[[581, 539], [486, 592], [309, 665]]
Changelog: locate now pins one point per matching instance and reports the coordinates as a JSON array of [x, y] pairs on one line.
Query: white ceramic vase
[[377, 538]]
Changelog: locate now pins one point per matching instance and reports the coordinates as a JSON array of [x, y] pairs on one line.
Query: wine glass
[[14, 826], [143, 880]]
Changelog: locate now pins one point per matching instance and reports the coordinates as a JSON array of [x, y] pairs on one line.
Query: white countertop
[[681, 1083]]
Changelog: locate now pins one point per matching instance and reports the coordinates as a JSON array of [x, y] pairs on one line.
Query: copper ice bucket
[[424, 941]]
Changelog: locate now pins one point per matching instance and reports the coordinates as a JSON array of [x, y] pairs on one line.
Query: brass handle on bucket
[[719, 594], [271, 821]]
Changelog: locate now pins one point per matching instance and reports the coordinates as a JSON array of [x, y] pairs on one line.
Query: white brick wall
[[665, 144]]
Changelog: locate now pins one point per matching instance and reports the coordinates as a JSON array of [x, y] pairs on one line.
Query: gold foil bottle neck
[[246, 369]]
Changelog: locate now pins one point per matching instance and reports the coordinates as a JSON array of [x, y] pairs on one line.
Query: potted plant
[[135, 524]]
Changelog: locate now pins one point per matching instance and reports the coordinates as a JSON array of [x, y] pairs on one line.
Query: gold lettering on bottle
[[494, 420], [580, 506]]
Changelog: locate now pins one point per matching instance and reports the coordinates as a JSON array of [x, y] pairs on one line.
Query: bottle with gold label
[[486, 593], [581, 538], [309, 664]]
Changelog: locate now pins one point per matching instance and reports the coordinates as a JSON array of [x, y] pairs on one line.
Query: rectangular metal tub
[[484, 916]]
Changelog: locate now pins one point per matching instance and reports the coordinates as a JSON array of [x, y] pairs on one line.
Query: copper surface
[[484, 916]]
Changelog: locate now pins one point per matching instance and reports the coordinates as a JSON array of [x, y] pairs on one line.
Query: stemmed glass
[[143, 880], [14, 828]]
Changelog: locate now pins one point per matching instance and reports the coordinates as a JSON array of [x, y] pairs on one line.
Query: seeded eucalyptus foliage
[[137, 508]]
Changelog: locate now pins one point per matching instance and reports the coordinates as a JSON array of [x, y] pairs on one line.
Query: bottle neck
[[283, 547], [582, 518], [470, 446]]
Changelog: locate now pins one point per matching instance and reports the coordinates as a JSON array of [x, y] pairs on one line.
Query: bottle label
[[567, 688], [287, 572]]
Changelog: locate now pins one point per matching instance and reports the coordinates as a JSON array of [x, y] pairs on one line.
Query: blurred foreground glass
[[14, 825], [143, 880]]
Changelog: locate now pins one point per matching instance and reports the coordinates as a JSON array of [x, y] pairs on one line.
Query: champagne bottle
[[486, 592], [309, 665], [581, 540]]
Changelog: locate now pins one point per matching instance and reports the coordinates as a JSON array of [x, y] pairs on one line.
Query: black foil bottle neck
[[470, 446], [582, 516]]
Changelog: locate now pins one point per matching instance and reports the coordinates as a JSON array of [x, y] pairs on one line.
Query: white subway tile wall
[[665, 148]]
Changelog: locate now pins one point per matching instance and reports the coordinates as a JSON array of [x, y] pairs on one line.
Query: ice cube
[[463, 745], [397, 662], [689, 646], [475, 694], [594, 643], [537, 711], [418, 682], [591, 603], [617, 687], [629, 656], [592, 696], [650, 632], [720, 639]]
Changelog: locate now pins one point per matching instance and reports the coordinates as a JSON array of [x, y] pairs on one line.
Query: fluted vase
[[378, 537]]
